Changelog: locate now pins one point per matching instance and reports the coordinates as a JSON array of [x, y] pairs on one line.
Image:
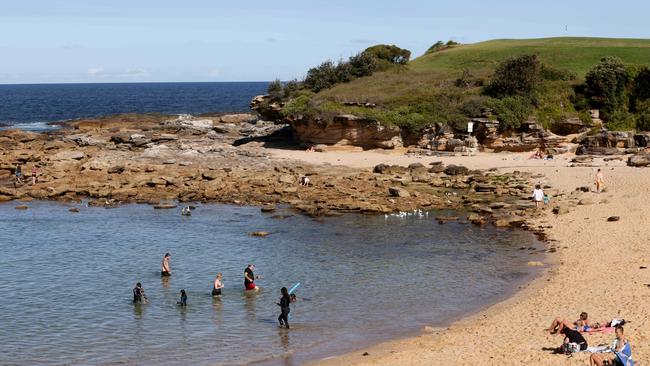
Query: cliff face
[[347, 130]]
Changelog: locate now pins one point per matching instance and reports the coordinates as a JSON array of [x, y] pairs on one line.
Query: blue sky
[[217, 40]]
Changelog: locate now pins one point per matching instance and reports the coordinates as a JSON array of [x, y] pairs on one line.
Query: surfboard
[[294, 288]]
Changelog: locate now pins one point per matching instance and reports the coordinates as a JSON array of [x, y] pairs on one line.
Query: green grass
[[404, 94], [570, 53]]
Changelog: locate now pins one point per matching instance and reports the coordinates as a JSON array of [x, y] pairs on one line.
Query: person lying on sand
[[580, 325], [620, 352]]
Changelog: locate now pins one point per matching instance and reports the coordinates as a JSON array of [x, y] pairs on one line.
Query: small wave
[[29, 126]]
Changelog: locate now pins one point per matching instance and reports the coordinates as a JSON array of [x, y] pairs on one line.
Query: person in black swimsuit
[[138, 294], [284, 303], [183, 301], [218, 285]]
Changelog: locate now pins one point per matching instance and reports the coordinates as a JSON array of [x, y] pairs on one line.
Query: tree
[[389, 53], [321, 77], [515, 76], [362, 64], [606, 83]]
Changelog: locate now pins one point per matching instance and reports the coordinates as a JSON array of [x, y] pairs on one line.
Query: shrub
[[321, 77], [511, 111], [441, 46], [642, 84], [643, 116], [606, 83], [275, 89], [620, 120], [474, 107], [362, 64], [515, 76], [389, 53], [291, 88]]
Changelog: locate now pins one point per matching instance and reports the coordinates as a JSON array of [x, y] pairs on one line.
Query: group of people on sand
[[139, 296], [619, 353], [541, 198]]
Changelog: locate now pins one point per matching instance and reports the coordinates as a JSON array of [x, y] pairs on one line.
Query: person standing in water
[[249, 278], [285, 302], [138, 294], [183, 301], [165, 270], [218, 285], [600, 181]]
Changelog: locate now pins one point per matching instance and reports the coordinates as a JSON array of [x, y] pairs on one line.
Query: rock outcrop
[[347, 130], [639, 160]]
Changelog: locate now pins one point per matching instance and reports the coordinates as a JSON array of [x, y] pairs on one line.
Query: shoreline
[[524, 315], [154, 162]]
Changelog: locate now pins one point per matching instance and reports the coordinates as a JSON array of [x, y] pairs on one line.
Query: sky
[[64, 41]]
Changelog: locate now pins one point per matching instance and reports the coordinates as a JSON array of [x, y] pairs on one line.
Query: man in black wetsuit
[[138, 294]]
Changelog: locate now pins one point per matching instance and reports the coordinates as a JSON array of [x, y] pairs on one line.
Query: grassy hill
[[426, 91], [570, 53]]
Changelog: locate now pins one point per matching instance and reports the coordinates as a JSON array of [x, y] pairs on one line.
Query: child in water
[[284, 303], [183, 301]]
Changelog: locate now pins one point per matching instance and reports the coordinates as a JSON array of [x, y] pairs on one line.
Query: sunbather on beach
[[573, 336], [620, 352], [580, 325]]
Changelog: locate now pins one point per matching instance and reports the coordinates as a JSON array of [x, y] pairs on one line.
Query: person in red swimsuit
[[249, 278]]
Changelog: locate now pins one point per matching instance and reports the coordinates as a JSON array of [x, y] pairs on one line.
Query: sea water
[[67, 282], [33, 106]]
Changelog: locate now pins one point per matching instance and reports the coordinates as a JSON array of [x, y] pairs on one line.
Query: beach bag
[[570, 348]]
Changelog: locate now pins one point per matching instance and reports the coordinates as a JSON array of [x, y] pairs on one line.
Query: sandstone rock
[[535, 264], [640, 160], [398, 192], [83, 140], [21, 207], [164, 206], [456, 170], [164, 137], [138, 139], [260, 233], [73, 209], [476, 219], [238, 118], [115, 169], [613, 218], [68, 155], [268, 208]]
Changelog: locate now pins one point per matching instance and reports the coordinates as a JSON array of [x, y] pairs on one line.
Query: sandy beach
[[599, 268]]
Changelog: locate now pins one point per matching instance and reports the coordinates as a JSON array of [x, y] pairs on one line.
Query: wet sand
[[597, 269]]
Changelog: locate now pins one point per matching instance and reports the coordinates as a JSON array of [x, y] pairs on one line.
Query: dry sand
[[597, 269]]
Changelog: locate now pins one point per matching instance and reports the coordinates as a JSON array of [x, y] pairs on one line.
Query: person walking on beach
[[249, 278], [34, 174], [538, 195], [218, 285], [285, 302], [19, 174], [165, 270], [600, 180], [138, 294], [183, 301]]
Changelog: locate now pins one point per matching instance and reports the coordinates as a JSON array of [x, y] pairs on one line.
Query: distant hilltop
[[563, 85]]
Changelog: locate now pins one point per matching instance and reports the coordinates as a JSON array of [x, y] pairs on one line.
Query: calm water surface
[[31, 106], [67, 280]]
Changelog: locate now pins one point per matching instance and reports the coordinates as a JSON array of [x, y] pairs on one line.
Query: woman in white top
[[538, 195]]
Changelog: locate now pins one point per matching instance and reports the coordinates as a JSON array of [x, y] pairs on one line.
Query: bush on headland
[[452, 87]]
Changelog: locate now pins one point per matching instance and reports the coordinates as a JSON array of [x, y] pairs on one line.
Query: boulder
[[476, 219], [398, 192], [138, 139], [456, 170], [238, 118], [639, 160], [613, 218], [260, 234]]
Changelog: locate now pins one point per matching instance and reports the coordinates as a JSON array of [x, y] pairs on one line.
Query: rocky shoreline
[[161, 161]]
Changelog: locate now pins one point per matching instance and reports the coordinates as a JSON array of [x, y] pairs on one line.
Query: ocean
[[33, 106]]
